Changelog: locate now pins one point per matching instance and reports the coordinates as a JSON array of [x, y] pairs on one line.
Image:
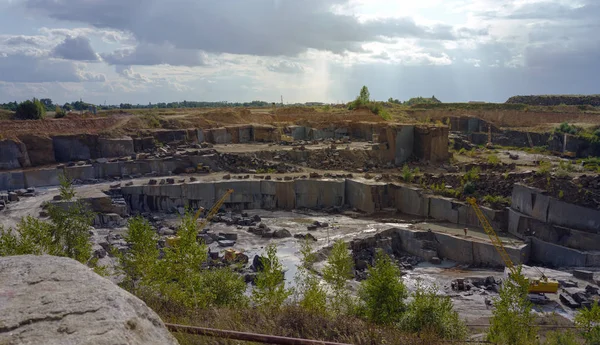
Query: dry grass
[[289, 322]]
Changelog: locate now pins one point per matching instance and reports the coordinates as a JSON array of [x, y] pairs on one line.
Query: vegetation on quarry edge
[[183, 286]]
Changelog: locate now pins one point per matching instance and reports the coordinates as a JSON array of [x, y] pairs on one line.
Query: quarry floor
[[471, 305]]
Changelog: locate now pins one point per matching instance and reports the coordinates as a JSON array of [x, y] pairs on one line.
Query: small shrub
[[383, 293], [59, 112], [469, 188], [471, 176], [493, 160], [326, 108], [407, 174], [496, 201], [433, 314], [66, 190], [589, 321], [565, 127], [560, 338], [310, 294], [544, 168], [462, 151], [561, 194]]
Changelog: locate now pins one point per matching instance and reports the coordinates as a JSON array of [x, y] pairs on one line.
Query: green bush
[[589, 322], [544, 168], [66, 189], [493, 160], [177, 277], [59, 112], [407, 174], [270, 291], [560, 338], [337, 272], [565, 127], [433, 314], [310, 294], [140, 260], [383, 293], [512, 317], [496, 201], [30, 110]]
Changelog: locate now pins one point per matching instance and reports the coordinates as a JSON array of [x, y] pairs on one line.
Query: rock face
[[52, 300]]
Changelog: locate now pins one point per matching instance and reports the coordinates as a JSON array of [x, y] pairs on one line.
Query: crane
[[540, 285], [212, 211], [173, 240]]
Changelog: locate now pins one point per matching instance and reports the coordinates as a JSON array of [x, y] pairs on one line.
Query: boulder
[[52, 300], [282, 233], [306, 237]]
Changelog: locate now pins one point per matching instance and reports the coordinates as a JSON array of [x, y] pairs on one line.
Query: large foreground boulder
[[52, 300]]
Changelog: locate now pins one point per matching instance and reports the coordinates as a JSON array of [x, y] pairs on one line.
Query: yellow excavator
[[173, 240], [540, 285]]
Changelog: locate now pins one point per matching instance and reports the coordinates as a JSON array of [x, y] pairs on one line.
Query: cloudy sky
[[141, 51]]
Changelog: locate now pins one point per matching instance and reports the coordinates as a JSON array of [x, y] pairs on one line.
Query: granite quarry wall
[[400, 142], [570, 232]]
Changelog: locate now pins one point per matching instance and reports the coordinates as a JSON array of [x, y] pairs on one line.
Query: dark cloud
[[151, 54], [286, 67], [261, 27], [19, 68], [75, 48]]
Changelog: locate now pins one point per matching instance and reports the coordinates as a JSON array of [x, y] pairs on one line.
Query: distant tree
[[365, 95], [47, 102], [67, 107], [30, 110]]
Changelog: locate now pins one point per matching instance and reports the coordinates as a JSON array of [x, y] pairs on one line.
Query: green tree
[[433, 314], [140, 260], [337, 272], [383, 293], [512, 319], [178, 276], [270, 291], [310, 294], [365, 95], [589, 321], [33, 236], [70, 226], [30, 110], [66, 190]]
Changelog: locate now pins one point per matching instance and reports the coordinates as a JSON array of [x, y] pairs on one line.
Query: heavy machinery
[[173, 240], [540, 285]]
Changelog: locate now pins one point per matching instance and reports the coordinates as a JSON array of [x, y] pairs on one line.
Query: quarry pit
[[344, 180]]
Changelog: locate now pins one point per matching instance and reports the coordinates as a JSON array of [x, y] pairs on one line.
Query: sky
[[141, 51]]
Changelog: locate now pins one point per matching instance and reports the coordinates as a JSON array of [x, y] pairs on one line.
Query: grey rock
[[226, 243], [229, 236], [13, 197], [305, 237], [435, 260], [54, 300], [282, 233], [102, 160], [166, 231]]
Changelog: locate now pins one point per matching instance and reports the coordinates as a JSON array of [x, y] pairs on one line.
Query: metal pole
[[245, 336]]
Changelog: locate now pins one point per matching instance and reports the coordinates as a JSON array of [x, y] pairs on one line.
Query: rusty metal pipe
[[245, 336]]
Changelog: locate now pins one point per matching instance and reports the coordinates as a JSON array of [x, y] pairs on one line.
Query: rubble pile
[[15, 196], [245, 163]]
